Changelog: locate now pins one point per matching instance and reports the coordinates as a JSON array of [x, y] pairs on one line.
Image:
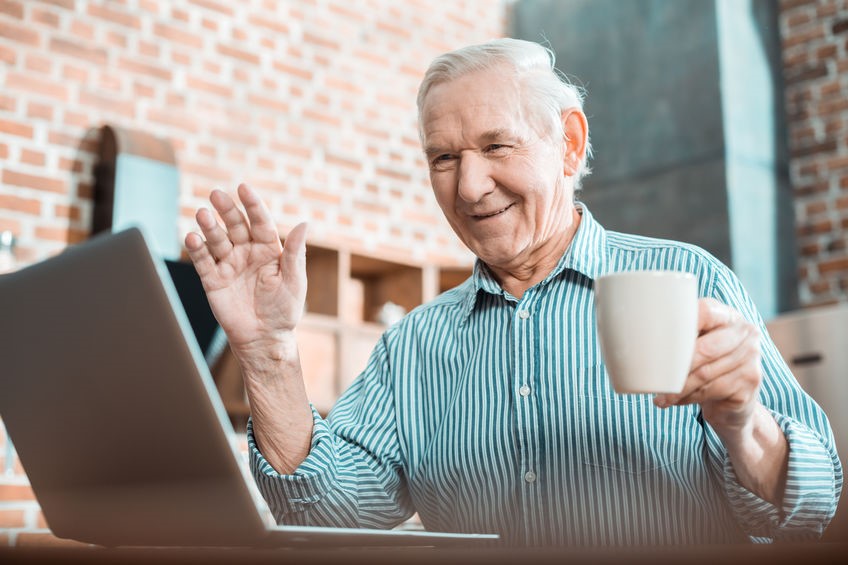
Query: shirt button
[[524, 390], [530, 476], [523, 314]]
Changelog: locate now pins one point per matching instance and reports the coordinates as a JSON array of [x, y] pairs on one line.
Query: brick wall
[[815, 56], [310, 101]]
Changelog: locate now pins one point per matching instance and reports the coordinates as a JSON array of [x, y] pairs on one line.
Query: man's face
[[498, 180]]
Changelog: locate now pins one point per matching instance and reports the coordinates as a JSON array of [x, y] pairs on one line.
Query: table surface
[[778, 554]]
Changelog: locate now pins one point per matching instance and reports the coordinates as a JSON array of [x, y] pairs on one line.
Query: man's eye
[[442, 160], [496, 148]]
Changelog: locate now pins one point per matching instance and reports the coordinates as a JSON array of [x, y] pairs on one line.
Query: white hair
[[547, 90]]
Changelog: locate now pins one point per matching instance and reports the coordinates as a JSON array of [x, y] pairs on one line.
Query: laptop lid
[[108, 400]]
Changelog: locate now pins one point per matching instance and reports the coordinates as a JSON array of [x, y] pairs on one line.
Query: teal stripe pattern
[[485, 413]]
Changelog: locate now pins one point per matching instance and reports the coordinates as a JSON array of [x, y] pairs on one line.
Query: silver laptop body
[[115, 417]]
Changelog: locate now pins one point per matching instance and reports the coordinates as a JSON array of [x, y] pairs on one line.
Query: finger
[[204, 262], [236, 223], [719, 342], [217, 241], [734, 383], [293, 259], [745, 354], [713, 314], [262, 227]]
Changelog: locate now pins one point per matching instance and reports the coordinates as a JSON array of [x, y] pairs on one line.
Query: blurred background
[[723, 123]]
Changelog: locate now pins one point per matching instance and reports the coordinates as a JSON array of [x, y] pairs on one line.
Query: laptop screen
[[203, 323]]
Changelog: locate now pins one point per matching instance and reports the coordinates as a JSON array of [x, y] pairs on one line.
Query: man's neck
[[542, 262]]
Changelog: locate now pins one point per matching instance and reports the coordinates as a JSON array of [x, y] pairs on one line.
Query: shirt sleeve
[[814, 472], [353, 476], [809, 498]]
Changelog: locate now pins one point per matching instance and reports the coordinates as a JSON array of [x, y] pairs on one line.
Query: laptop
[[117, 422]]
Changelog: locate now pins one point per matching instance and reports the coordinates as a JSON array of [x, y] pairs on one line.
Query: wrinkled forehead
[[485, 100]]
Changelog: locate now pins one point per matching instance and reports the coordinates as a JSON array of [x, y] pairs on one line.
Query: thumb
[[293, 258]]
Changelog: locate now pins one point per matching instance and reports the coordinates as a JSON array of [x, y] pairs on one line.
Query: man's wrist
[[268, 357], [759, 453]]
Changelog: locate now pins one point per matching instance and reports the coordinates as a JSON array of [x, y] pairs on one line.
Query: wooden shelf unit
[[340, 327]]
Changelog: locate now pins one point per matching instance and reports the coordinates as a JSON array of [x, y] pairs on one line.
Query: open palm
[[256, 286]]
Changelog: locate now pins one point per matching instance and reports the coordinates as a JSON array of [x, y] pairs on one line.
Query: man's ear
[[575, 132]]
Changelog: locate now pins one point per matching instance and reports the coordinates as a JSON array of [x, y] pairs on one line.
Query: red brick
[[33, 85], [39, 111], [833, 265], [819, 287], [11, 518], [277, 105], [342, 161], [214, 6], [810, 249], [61, 234], [154, 71], [8, 103], [8, 55], [15, 227], [77, 119], [105, 104], [72, 213], [321, 196], [275, 25], [837, 163], [809, 35], [47, 17], [179, 119], [798, 18], [85, 190], [178, 34], [141, 90], [19, 204], [237, 53], [814, 208], [73, 73], [18, 33], [74, 165], [16, 128], [288, 69], [67, 4], [394, 174], [826, 146], [809, 228], [75, 48], [211, 25], [826, 10], [181, 58], [4, 151], [30, 157], [108, 13], [84, 31], [16, 492], [38, 182], [12, 8]]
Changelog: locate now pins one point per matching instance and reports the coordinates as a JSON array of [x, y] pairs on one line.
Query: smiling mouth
[[492, 214]]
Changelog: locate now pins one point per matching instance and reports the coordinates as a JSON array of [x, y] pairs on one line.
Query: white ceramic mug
[[647, 325]]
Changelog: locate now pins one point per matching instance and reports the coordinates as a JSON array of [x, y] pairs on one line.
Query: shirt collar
[[587, 254]]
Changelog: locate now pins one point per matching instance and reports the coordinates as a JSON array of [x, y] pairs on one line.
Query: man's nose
[[475, 179]]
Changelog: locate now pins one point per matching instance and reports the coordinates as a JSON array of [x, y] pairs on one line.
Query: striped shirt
[[487, 413]]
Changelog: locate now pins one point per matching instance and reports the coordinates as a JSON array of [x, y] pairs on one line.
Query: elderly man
[[489, 410]]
